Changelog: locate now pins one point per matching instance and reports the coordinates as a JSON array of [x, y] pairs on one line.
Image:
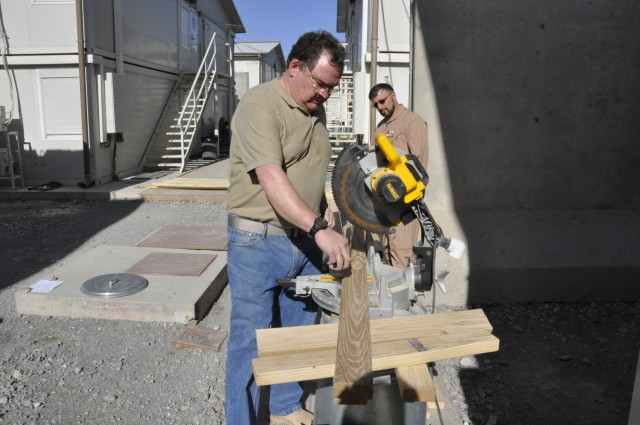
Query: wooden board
[[190, 183], [283, 340], [353, 378], [200, 338], [415, 383], [316, 363]]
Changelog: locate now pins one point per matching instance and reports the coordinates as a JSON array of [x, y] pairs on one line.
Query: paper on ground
[[45, 286]]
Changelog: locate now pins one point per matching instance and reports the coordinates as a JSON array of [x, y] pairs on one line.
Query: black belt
[[249, 225]]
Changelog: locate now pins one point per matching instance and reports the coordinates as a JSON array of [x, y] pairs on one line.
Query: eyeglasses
[[380, 102], [323, 91]]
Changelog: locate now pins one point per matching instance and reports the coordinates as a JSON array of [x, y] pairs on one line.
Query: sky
[[285, 20]]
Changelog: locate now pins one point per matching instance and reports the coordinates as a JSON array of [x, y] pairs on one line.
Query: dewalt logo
[[392, 191]]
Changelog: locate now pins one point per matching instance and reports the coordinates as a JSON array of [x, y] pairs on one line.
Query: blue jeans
[[254, 262]]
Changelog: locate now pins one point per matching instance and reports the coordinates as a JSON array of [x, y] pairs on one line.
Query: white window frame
[[43, 74]]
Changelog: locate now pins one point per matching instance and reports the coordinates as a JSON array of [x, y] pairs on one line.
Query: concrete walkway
[[171, 295], [133, 188]]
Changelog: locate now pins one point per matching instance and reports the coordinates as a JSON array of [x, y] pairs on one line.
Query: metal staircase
[[172, 141], [339, 109]]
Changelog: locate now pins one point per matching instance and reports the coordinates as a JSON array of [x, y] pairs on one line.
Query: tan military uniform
[[281, 133], [407, 132]]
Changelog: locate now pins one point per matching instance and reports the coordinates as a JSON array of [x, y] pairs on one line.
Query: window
[[60, 107]]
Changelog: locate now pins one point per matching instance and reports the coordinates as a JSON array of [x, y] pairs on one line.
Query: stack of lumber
[[309, 352]]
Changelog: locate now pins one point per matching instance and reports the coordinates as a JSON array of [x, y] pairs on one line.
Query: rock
[[469, 362]]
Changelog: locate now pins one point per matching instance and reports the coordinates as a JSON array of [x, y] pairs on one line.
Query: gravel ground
[[559, 363]]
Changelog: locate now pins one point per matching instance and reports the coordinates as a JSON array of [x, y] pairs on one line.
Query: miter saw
[[376, 189]]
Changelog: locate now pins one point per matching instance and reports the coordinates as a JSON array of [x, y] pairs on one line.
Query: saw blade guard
[[351, 187]]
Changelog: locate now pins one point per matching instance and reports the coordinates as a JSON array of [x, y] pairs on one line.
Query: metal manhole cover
[[114, 285]]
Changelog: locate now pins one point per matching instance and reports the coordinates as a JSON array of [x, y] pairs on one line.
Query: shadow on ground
[[558, 364], [37, 234]]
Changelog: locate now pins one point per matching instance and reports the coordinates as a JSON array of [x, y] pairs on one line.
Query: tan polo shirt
[[407, 131], [269, 127]]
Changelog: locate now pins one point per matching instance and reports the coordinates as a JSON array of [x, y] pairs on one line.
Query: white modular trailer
[[134, 52], [257, 62]]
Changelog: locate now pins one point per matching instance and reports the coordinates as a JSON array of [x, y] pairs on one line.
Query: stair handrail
[[205, 70]]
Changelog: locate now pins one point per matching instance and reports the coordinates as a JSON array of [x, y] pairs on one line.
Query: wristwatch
[[319, 224]]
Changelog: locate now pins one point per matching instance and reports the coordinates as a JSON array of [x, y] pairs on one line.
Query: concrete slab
[[166, 298]]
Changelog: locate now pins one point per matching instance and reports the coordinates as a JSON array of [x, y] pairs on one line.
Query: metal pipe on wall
[[117, 36], [83, 98], [412, 34], [373, 72]]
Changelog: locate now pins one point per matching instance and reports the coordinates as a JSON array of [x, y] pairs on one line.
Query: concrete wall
[[533, 115]]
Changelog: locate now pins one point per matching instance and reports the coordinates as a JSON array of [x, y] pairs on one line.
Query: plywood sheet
[[173, 264], [212, 238], [201, 338]]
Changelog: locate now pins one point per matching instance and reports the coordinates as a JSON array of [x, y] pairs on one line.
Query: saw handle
[[397, 164]]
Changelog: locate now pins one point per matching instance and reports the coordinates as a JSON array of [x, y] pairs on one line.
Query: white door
[[189, 51]]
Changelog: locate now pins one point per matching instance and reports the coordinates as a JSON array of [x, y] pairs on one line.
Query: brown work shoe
[[299, 417]]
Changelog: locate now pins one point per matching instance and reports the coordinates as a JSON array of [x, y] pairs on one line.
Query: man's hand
[[335, 246], [330, 217], [288, 204]]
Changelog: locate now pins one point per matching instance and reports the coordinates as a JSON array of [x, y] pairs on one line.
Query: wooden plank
[[283, 340], [191, 183], [309, 364], [415, 383], [183, 195], [441, 404], [200, 338], [444, 408], [353, 378]]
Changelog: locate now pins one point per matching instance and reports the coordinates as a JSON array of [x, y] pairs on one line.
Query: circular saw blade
[[355, 200]]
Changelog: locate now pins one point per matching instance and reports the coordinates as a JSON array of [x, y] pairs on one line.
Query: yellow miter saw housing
[[378, 189], [399, 179]]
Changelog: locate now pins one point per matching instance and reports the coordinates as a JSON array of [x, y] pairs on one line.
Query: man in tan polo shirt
[[279, 223], [407, 132]]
